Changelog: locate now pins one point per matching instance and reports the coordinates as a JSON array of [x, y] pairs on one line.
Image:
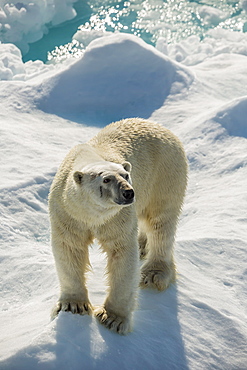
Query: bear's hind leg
[[142, 240], [159, 271]]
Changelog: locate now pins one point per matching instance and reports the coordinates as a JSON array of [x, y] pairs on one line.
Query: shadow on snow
[[76, 342]]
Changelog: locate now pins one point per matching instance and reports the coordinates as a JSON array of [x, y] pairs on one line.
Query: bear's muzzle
[[129, 195], [126, 197]]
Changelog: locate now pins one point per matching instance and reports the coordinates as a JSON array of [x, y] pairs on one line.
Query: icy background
[[194, 84]]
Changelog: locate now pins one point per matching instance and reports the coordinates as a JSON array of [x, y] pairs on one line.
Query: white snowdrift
[[233, 117], [199, 323], [84, 36], [124, 75], [192, 50], [10, 62], [24, 22], [13, 68], [211, 15]]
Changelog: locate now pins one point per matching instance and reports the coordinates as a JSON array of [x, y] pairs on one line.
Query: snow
[[24, 22], [122, 73], [198, 323], [192, 50], [243, 4], [210, 15], [233, 117], [85, 36]]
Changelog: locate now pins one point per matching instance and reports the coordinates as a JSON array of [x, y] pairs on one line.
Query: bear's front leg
[[72, 261], [123, 279]]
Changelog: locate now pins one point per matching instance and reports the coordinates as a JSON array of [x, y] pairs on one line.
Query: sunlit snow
[[198, 90]]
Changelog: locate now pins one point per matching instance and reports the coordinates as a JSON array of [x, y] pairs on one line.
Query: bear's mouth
[[124, 202]]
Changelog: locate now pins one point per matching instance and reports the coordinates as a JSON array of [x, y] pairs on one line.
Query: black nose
[[128, 194]]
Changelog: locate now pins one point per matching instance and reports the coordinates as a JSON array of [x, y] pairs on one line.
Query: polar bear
[[125, 187]]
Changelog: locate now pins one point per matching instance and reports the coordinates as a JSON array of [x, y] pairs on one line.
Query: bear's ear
[[127, 166], [78, 177]]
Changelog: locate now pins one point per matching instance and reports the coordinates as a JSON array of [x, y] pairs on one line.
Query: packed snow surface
[[201, 321]]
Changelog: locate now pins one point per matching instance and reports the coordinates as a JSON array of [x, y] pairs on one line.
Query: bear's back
[[159, 165], [141, 142]]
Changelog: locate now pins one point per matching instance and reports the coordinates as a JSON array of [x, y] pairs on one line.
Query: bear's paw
[[113, 322], [158, 276], [76, 307]]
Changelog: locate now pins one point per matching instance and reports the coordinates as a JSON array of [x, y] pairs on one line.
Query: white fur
[[94, 195]]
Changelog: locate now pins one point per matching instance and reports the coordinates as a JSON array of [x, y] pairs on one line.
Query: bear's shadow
[[78, 342], [156, 338]]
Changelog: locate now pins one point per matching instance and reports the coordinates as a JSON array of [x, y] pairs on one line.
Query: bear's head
[[106, 184]]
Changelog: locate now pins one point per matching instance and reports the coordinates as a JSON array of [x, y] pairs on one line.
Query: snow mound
[[85, 36], [24, 22], [118, 76], [13, 68], [211, 15], [10, 62], [233, 117], [192, 51]]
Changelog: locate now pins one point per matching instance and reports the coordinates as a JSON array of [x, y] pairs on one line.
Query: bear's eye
[[105, 181]]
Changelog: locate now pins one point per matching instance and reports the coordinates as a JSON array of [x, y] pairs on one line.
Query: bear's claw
[[80, 308], [118, 324], [159, 278]]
